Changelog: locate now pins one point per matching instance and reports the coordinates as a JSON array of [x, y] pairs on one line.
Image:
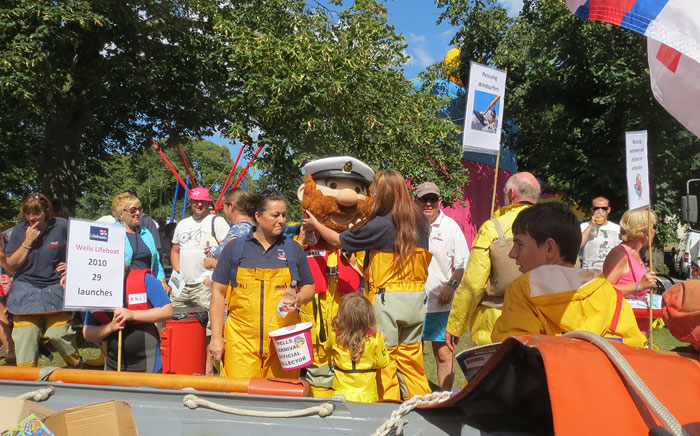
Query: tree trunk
[[59, 164]]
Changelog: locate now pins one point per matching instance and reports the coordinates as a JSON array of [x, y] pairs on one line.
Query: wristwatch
[[453, 284]]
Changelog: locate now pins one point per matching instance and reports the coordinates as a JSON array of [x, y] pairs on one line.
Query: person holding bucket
[[396, 236], [254, 274], [358, 350]]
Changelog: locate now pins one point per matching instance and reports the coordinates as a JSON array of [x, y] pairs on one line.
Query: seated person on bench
[[552, 297]]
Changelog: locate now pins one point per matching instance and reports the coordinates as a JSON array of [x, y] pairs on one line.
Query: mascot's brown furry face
[[335, 202]]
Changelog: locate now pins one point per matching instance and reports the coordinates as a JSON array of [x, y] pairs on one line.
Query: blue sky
[[427, 42]]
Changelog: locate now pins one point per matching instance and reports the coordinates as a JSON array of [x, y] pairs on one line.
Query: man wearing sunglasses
[[598, 236], [450, 252]]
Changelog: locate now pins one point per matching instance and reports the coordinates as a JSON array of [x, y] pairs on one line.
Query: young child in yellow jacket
[[357, 350]]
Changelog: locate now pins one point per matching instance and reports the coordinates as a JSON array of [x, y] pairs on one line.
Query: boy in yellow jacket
[[552, 297]]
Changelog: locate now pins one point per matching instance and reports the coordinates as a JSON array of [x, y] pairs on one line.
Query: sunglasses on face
[[604, 209], [429, 198], [133, 210]]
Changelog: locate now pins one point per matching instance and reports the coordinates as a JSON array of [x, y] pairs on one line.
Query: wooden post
[[119, 351], [650, 333], [495, 183]]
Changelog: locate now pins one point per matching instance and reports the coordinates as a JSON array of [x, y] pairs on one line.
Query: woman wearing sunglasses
[[395, 236], [140, 250], [36, 254], [146, 301]]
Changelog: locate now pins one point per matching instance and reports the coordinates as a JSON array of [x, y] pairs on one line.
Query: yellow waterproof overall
[[252, 307], [398, 297]]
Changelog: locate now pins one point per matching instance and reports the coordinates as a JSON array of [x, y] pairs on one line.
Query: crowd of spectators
[[420, 282]]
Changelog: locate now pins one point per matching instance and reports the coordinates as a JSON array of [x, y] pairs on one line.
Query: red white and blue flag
[[672, 28]]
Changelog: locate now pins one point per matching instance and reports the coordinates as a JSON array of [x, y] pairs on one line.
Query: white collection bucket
[[293, 345]]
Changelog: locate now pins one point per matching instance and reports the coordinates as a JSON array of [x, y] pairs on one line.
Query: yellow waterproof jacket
[[554, 299], [357, 381], [381, 277], [472, 289]]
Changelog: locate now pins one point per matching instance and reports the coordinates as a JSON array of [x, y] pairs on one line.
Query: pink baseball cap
[[200, 194]]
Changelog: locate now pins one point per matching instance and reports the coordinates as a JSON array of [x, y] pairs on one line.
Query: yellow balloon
[[452, 65]]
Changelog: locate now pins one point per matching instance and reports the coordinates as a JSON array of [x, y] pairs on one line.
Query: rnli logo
[[137, 298], [280, 254], [99, 233]]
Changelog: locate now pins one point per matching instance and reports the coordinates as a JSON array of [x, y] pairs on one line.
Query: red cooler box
[[183, 343]]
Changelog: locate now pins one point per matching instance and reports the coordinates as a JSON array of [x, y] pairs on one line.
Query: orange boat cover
[[581, 387], [681, 311]]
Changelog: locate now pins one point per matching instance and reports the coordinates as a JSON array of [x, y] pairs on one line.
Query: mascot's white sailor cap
[[342, 167]]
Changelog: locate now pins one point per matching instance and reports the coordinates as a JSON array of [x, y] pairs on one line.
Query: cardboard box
[[14, 411], [30, 426], [109, 418]]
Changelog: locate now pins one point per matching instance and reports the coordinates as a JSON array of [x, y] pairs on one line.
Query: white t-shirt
[[598, 246], [188, 234], [450, 252]]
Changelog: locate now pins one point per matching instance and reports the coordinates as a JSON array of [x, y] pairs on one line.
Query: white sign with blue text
[[484, 114], [95, 266], [637, 170]]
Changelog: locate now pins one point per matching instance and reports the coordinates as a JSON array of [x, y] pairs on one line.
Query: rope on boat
[[667, 419], [397, 421], [192, 401], [40, 394]]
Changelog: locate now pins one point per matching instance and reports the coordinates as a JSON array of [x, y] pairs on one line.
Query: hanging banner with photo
[[95, 266], [484, 114], [637, 170]]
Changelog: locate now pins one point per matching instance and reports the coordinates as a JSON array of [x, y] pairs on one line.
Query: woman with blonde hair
[[357, 348], [140, 250], [146, 300], [395, 239], [624, 267]]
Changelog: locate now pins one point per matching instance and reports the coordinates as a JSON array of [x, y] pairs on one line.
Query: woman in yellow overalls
[[252, 274], [395, 235]]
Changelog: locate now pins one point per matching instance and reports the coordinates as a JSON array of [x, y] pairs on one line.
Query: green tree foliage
[[574, 88], [145, 173], [332, 85], [81, 80]]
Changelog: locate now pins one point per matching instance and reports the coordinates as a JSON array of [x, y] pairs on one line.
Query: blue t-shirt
[[255, 256], [135, 337], [241, 228]]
